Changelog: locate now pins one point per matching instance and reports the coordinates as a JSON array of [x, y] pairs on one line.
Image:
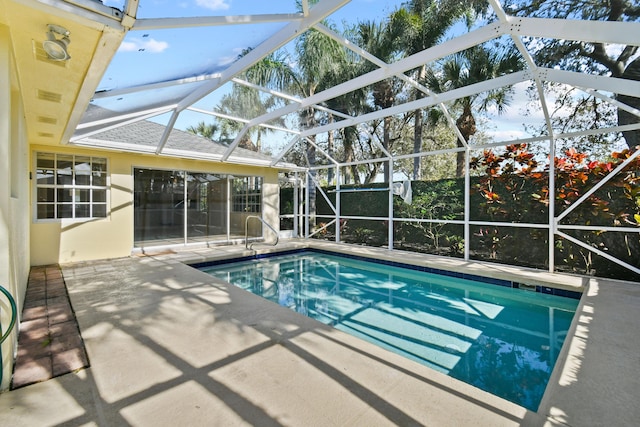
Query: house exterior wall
[[62, 241], [14, 201]]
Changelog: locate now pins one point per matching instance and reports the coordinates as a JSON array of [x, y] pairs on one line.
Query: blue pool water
[[502, 340]]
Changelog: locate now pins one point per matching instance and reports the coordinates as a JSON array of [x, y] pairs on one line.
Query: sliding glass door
[[158, 206], [180, 207], [206, 207]]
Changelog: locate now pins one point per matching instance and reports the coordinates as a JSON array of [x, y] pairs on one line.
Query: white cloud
[[150, 45], [507, 135], [227, 60], [213, 4]]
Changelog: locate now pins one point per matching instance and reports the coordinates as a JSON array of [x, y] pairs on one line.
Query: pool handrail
[[246, 231]]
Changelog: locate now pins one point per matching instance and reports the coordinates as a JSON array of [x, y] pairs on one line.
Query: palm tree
[[205, 130], [471, 66], [419, 25], [317, 60], [378, 39], [246, 103], [320, 59]]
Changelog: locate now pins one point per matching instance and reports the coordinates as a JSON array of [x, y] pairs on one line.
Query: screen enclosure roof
[[202, 63]]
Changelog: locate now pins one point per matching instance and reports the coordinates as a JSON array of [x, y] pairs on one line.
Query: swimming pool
[[502, 340]]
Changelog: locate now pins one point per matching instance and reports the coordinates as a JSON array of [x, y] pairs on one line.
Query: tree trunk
[[466, 124], [308, 121], [460, 161], [348, 155], [632, 137], [417, 130], [417, 143], [385, 143], [330, 144], [383, 97]]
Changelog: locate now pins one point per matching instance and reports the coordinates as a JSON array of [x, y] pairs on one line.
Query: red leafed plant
[[514, 187]]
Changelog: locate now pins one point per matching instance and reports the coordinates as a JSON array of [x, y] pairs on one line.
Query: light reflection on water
[[504, 341]]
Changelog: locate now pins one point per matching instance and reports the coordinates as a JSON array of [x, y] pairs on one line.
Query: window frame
[[81, 195], [244, 202]]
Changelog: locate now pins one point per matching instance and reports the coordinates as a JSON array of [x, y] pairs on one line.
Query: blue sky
[[164, 54], [159, 55]]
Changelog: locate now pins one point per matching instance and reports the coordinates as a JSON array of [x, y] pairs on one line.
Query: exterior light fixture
[[55, 47]]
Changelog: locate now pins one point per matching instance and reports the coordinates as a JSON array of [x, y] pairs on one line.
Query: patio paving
[[170, 345]]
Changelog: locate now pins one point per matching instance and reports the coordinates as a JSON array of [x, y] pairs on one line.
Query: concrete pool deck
[[168, 344]]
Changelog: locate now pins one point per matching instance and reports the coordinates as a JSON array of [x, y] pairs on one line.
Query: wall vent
[[45, 134], [47, 120], [49, 96]]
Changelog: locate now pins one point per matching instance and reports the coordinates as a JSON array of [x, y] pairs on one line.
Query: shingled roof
[[143, 136]]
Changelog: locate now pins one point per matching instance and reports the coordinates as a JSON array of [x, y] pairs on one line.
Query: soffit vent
[[41, 55], [47, 120], [45, 134], [49, 96]]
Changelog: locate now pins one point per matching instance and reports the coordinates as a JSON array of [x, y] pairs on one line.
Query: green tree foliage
[[419, 25], [433, 201], [206, 130], [585, 57], [575, 55], [316, 62], [474, 65], [245, 103], [574, 112], [379, 40], [436, 136]]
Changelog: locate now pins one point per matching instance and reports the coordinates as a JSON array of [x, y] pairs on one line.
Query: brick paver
[[49, 342]]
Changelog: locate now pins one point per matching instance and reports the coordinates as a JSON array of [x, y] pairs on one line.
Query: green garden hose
[[14, 315]]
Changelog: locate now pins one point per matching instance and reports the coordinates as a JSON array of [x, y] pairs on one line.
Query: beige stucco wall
[[63, 241], [14, 200]]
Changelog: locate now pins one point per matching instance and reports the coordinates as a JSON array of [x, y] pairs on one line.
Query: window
[[69, 186], [247, 194]]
